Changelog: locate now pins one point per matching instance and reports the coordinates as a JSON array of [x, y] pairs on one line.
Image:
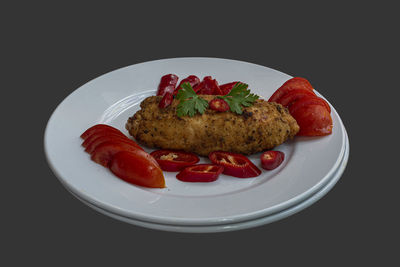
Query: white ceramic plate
[[240, 225], [115, 96]]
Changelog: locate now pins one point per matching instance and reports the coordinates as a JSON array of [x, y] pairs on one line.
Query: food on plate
[[314, 120], [166, 100], [309, 100], [261, 126], [289, 85], [287, 99], [104, 152], [109, 137], [200, 173], [271, 159], [208, 86], [218, 104], [227, 87], [106, 142], [137, 167], [234, 164], [167, 84], [97, 129], [172, 160], [193, 80], [297, 95]]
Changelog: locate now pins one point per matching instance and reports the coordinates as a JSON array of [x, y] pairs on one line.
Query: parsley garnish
[[239, 96], [189, 101]]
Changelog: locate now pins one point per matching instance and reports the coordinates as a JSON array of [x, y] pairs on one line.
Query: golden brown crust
[[261, 126]]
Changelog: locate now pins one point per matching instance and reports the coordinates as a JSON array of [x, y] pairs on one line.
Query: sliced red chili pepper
[[227, 87], [166, 100], [218, 105], [234, 164], [173, 160], [193, 80], [167, 84], [272, 159], [200, 173], [208, 86]]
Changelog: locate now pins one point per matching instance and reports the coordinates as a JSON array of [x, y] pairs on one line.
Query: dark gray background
[[349, 52]]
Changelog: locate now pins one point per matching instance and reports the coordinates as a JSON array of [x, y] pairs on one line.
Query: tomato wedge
[[208, 86], [167, 84], [294, 95], [105, 138], [98, 128], [193, 80], [137, 167], [173, 160], [314, 120], [272, 159], [200, 173], [227, 87], [309, 100], [99, 133], [234, 164], [104, 153], [291, 84]]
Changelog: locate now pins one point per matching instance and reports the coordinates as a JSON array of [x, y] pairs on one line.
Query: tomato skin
[[309, 100], [105, 138], [98, 128], [174, 160], [291, 84], [100, 133], [272, 159], [104, 152], [287, 99], [136, 167], [193, 80], [227, 87], [219, 105], [234, 164], [314, 120], [166, 100], [167, 84], [200, 173], [208, 86]]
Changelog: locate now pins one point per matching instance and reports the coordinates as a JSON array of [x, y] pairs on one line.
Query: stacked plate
[[311, 168]]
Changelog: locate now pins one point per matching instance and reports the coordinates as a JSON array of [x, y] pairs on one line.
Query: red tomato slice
[[173, 160], [314, 120], [193, 80], [294, 95], [308, 100], [272, 159], [104, 153], [200, 173], [137, 167], [227, 87], [97, 134], [98, 128], [208, 86], [234, 164], [218, 104], [105, 138], [294, 83]]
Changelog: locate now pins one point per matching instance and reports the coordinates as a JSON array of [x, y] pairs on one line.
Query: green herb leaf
[[189, 101], [239, 96]]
